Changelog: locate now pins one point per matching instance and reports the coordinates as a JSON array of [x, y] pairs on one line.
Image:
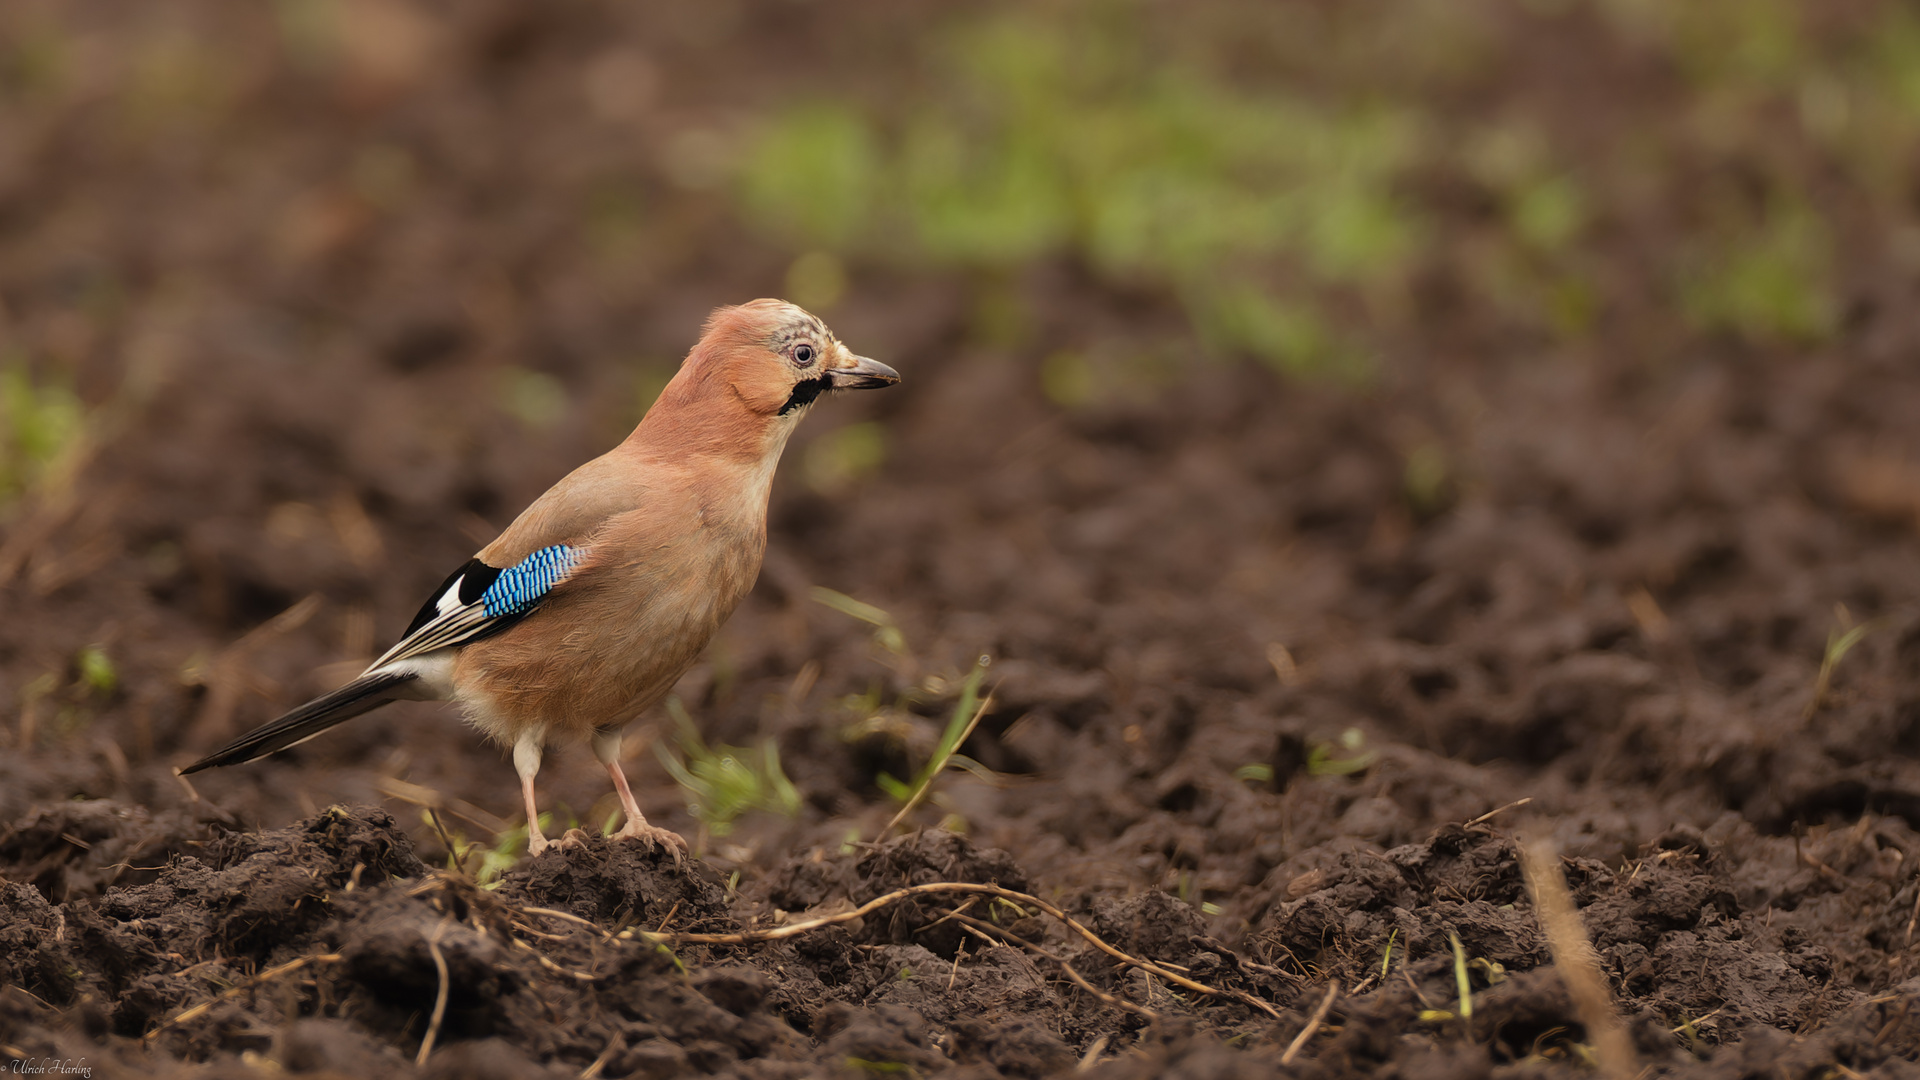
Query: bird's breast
[[610, 646]]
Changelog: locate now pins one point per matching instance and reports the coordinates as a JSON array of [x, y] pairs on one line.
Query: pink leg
[[627, 803], [607, 748], [526, 761]]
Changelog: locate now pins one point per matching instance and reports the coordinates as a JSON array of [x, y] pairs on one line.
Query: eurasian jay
[[600, 595]]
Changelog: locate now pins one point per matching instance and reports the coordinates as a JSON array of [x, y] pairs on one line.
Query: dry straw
[[1574, 959]]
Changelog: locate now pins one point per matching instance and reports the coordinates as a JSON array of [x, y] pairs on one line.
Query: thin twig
[[600, 1062], [1696, 1020], [1092, 1057], [423, 796], [1887, 1029], [551, 966], [973, 926], [1407, 974], [568, 916], [439, 1000], [1823, 869], [226, 676], [434, 880], [265, 976], [776, 933], [961, 910], [1313, 1024], [33, 997], [1574, 959], [446, 841], [671, 912], [1497, 811]]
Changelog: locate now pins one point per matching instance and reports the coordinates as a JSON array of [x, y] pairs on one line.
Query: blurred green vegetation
[[96, 671], [837, 459], [72, 697], [537, 399], [1768, 278], [1315, 187], [1350, 755], [723, 782], [1290, 223], [1057, 136], [40, 419]]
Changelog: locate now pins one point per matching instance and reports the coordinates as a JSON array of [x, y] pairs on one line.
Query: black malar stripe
[[803, 393]]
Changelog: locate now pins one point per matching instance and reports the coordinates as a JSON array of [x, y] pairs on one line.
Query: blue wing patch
[[478, 601], [521, 586]]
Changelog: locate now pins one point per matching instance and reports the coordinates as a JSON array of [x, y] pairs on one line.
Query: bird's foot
[[537, 844], [653, 836]]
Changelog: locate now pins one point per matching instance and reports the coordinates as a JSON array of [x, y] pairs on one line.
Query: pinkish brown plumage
[[600, 595]]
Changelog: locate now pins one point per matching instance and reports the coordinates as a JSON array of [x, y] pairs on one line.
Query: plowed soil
[[1263, 709]]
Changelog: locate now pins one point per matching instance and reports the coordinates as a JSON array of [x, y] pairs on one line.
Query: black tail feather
[[364, 694]]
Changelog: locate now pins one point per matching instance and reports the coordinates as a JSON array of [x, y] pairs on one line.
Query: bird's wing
[[479, 600]]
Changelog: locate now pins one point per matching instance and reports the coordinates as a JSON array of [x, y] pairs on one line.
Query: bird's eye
[[803, 355]]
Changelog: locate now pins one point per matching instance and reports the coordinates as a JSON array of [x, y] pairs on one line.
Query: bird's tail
[[364, 694]]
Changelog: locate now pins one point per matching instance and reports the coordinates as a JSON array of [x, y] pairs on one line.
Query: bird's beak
[[863, 374]]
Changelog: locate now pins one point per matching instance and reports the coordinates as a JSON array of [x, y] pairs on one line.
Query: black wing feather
[[364, 694], [451, 616], [474, 578], [478, 601]]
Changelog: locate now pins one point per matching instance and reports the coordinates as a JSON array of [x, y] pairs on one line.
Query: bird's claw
[[538, 844], [652, 836]]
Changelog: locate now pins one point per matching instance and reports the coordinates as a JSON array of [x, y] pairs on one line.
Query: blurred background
[[1333, 419]]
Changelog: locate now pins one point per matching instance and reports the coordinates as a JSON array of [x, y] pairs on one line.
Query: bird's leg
[[606, 747], [526, 760]]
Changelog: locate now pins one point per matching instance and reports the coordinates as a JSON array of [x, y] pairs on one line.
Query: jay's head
[[778, 359]]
